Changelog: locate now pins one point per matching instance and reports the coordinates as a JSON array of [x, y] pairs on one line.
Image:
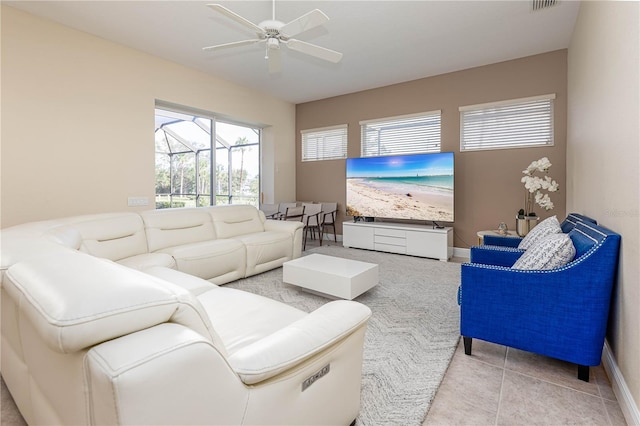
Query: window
[[190, 174], [237, 164], [183, 152], [509, 124], [408, 134], [327, 143]]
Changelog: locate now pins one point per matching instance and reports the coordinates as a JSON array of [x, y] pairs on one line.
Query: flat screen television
[[416, 187]]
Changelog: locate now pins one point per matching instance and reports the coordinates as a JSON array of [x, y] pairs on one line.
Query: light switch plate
[[138, 201]]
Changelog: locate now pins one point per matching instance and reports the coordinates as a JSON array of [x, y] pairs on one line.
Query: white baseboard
[[461, 252], [620, 389]]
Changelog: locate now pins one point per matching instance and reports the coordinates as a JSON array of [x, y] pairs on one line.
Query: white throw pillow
[[551, 251], [547, 227]]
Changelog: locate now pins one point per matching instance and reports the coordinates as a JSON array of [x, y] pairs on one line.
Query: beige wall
[[487, 184], [78, 120], [603, 154]]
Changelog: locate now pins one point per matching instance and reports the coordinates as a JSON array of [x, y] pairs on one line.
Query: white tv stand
[[410, 239]]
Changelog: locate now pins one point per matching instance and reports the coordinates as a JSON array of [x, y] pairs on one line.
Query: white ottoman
[[335, 276]]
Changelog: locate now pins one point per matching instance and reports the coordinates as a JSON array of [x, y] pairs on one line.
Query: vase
[[524, 224], [503, 229]]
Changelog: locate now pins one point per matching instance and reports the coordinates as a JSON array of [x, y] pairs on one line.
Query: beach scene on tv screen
[[418, 187]]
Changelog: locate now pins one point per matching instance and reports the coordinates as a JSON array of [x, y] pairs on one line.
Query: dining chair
[[270, 211], [282, 209], [294, 213], [329, 212], [312, 222]]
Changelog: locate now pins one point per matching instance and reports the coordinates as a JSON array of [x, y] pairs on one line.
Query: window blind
[[327, 143], [509, 124], [408, 134]]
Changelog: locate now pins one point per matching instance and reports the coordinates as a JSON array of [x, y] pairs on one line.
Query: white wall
[[78, 120], [603, 154]]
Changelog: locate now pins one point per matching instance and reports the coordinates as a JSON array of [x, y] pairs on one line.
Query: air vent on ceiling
[[542, 4]]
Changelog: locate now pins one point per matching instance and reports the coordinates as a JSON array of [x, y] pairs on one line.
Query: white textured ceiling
[[383, 42]]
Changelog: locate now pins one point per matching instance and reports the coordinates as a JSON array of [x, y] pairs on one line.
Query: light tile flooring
[[496, 385]]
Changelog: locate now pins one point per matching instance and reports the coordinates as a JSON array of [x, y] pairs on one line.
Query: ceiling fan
[[275, 33]]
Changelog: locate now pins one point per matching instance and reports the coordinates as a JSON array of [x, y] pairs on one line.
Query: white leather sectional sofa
[[118, 319]]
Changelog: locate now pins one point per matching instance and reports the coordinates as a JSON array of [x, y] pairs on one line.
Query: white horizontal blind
[[509, 124], [409, 134], [327, 143]]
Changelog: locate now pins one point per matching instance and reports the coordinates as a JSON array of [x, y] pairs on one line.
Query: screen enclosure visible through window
[[188, 173]]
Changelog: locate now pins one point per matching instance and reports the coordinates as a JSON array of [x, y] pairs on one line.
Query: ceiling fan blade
[[274, 61], [232, 44], [304, 23], [313, 50], [239, 19]]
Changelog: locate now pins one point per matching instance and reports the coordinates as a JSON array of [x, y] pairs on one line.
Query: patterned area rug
[[411, 336]]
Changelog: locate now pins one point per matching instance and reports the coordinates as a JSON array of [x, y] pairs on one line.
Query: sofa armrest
[[75, 300], [292, 227], [165, 374], [495, 255], [288, 347], [497, 240]]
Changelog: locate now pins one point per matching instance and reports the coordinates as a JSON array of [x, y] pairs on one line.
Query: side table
[[481, 235]]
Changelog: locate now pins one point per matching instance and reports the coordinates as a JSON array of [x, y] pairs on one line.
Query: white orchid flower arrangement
[[535, 185]]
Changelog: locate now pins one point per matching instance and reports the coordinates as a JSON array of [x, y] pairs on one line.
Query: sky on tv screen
[[401, 165]]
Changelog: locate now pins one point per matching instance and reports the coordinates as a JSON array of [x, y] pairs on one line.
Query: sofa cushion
[[75, 301], [112, 236], [548, 226], [585, 236], [551, 251], [234, 220], [176, 227], [218, 260], [195, 285], [147, 260], [67, 236], [258, 317], [572, 220]]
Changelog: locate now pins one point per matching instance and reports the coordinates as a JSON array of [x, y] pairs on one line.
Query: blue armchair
[[561, 313]]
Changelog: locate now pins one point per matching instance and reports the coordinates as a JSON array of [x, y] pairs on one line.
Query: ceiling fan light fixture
[[271, 27], [273, 43]]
